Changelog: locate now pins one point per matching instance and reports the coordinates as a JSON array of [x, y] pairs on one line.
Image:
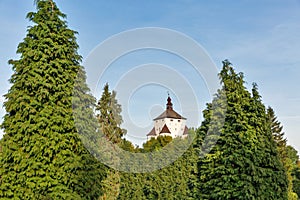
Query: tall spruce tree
[[109, 116], [224, 171], [42, 155], [283, 149], [274, 182], [240, 165], [276, 129], [110, 119]]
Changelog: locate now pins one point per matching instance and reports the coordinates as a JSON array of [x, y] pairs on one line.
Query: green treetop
[[42, 155], [110, 120], [109, 116], [243, 164]]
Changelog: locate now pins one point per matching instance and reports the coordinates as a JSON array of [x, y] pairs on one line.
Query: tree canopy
[[244, 163], [42, 155], [55, 130]]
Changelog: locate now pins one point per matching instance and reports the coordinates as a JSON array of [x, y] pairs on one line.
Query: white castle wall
[[176, 126]]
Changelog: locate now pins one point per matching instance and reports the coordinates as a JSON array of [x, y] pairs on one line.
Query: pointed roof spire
[[169, 104], [169, 112]]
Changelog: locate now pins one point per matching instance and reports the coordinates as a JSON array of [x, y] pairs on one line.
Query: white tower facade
[[169, 123]]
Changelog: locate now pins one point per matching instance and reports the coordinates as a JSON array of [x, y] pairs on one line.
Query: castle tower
[[169, 123]]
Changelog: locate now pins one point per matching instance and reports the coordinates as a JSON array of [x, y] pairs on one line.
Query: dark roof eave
[[169, 117]]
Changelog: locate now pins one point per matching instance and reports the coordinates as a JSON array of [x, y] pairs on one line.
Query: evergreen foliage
[[176, 181], [42, 155], [270, 168], [109, 116], [288, 156], [154, 144], [277, 132], [239, 151], [111, 186], [295, 169], [110, 120], [296, 179], [128, 146], [244, 163]]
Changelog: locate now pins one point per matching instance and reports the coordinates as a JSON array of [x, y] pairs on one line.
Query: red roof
[[165, 129], [186, 131], [169, 114], [152, 133]]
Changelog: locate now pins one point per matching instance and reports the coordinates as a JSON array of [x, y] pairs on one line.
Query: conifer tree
[[42, 155], [109, 116], [236, 167], [222, 171], [276, 129], [267, 159], [283, 150], [110, 120]]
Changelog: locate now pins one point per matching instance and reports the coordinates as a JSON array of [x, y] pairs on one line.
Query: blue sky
[[260, 37]]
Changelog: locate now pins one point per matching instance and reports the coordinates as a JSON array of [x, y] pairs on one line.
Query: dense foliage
[[296, 178], [110, 119], [176, 181], [244, 163], [52, 135], [42, 155], [154, 144], [109, 116], [287, 155]]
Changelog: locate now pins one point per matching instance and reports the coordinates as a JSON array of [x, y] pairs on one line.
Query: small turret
[[169, 104]]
